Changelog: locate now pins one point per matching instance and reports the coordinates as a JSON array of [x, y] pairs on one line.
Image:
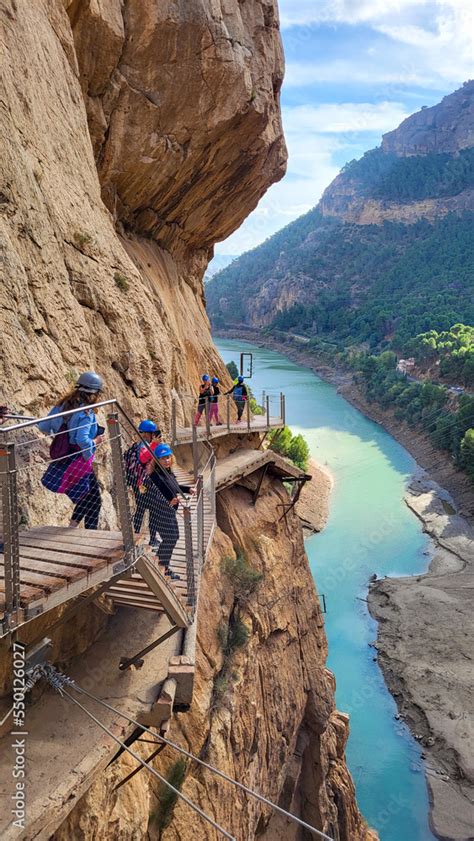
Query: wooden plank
[[131, 602], [82, 536], [48, 584], [64, 571], [78, 548], [140, 586], [135, 594], [27, 594], [59, 558], [160, 587], [86, 533]]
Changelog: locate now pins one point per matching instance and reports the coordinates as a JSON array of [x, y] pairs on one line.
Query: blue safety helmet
[[90, 382], [215, 379], [240, 379], [163, 450], [205, 378], [147, 426]]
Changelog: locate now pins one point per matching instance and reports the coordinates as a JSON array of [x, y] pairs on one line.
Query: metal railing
[[194, 418], [38, 491]]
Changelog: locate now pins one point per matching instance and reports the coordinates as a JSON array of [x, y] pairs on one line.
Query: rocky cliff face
[[134, 136], [349, 258], [170, 115], [446, 127], [263, 713]]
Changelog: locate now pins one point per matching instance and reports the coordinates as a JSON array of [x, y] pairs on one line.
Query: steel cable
[[60, 688], [201, 762]]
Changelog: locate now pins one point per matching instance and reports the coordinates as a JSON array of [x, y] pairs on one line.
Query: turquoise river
[[370, 529]]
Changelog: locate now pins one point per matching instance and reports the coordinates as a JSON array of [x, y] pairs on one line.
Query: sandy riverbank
[[313, 505], [425, 648], [438, 463], [426, 622]]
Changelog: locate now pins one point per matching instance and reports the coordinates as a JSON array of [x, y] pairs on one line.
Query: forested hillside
[[352, 283], [386, 255]]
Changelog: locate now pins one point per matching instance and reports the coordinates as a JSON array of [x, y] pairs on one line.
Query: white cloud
[[314, 134], [342, 71], [427, 41], [345, 117], [372, 12], [404, 44]]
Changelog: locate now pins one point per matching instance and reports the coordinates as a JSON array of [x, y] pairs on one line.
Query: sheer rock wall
[[265, 715], [136, 135]]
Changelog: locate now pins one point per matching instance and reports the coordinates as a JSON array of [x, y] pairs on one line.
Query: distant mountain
[[218, 262], [387, 253]]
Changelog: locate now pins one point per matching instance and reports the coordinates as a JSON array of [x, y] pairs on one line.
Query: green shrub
[[232, 636], [166, 797], [232, 369], [221, 685], [243, 577], [71, 376], [294, 447], [121, 281], [298, 452], [80, 238]]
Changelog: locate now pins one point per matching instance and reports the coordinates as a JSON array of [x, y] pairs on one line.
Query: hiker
[[135, 475], [240, 396], [165, 501], [214, 402], [73, 449], [205, 392]]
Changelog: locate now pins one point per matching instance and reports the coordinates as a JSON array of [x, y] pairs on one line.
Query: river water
[[370, 529]]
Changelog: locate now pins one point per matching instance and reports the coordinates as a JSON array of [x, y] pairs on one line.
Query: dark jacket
[[167, 484]]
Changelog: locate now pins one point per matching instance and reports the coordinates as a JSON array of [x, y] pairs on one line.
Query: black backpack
[[134, 471]]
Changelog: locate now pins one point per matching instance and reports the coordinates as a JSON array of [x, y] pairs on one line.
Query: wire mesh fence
[[205, 417], [85, 489]]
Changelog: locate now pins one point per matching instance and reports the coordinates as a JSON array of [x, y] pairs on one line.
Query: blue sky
[[354, 70]]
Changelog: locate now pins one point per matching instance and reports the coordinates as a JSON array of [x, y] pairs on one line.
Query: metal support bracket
[[161, 746], [259, 484], [137, 659]]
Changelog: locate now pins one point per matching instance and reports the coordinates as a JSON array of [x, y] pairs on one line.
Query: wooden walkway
[[243, 463], [256, 423], [58, 563], [148, 587]]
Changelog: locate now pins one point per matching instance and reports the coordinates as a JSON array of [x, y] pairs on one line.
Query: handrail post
[[195, 454], [120, 485], [228, 412], [200, 520], [174, 438], [248, 412], [283, 403], [213, 486], [208, 425], [263, 399], [188, 546], [268, 411], [11, 549]]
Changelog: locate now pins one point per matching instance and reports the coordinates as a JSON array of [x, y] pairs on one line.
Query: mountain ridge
[[386, 252]]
